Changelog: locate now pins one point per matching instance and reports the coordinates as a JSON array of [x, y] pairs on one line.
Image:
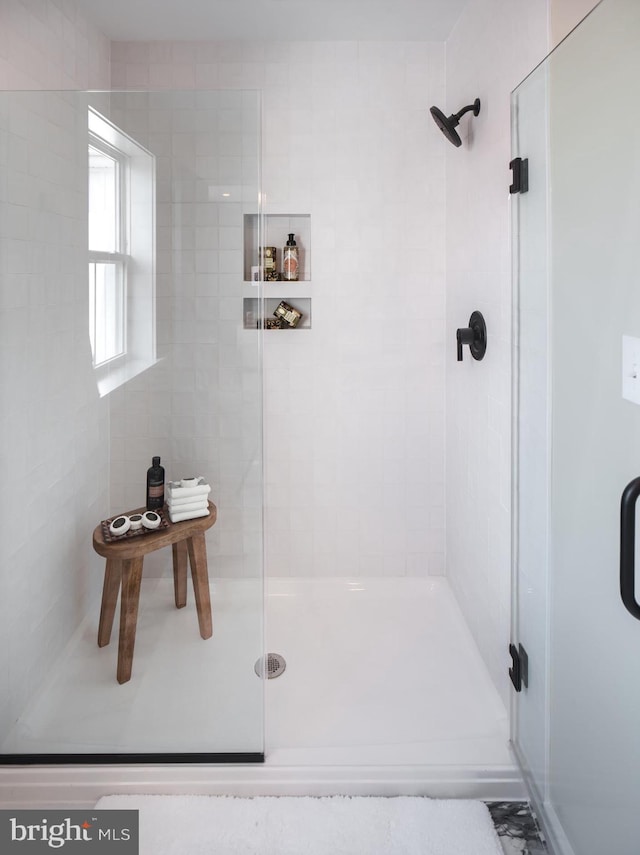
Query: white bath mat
[[337, 825]]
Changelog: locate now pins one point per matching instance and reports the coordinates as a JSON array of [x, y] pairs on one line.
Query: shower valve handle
[[463, 336], [475, 336]]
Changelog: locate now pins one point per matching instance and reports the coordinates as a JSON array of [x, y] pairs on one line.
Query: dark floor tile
[[517, 828]]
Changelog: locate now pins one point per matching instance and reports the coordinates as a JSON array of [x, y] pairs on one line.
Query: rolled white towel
[[187, 515], [183, 507], [176, 492]]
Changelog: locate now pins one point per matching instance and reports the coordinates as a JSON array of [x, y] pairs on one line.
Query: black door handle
[[628, 547]]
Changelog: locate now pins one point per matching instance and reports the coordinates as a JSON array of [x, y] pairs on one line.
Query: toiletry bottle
[[268, 260], [290, 260], [155, 485]]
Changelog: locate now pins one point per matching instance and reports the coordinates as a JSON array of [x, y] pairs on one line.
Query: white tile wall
[[493, 46], [51, 44], [354, 407], [53, 428]]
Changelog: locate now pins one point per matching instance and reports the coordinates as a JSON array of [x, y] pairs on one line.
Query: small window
[[105, 215], [121, 254], [106, 311], [107, 251]]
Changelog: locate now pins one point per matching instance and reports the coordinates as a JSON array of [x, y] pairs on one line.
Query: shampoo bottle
[[290, 260], [155, 485]]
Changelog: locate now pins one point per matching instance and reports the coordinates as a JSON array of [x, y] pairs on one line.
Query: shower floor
[[384, 692], [379, 672], [185, 695]]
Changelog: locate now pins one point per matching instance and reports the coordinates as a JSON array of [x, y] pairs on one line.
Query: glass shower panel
[[175, 375], [531, 445], [580, 448]]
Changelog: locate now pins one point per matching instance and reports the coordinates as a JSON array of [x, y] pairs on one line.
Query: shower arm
[[457, 116]]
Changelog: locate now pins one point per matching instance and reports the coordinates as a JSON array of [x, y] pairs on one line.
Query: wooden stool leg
[[112, 577], [180, 573], [129, 599], [198, 560]]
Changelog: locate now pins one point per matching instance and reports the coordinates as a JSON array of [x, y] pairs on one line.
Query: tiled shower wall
[[53, 428], [354, 409], [51, 44], [494, 45]]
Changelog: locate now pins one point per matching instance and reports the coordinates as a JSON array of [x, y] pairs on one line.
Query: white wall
[[51, 44], [564, 15], [493, 46], [354, 406], [593, 239], [53, 429]]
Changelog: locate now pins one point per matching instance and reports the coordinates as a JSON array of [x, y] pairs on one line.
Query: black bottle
[[155, 485]]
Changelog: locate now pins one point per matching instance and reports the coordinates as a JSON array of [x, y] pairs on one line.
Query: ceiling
[[280, 20]]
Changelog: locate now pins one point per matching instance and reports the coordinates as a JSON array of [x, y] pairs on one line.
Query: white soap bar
[[120, 525]]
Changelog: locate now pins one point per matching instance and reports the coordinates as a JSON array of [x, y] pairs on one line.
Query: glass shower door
[[122, 337], [577, 364]]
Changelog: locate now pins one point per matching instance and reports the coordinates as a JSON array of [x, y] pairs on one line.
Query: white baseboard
[[77, 787]]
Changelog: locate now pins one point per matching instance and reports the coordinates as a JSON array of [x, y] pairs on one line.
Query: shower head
[[448, 124]]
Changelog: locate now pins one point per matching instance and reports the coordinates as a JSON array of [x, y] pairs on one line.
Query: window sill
[[110, 377]]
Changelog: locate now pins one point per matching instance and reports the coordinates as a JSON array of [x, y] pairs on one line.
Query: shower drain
[[275, 665]]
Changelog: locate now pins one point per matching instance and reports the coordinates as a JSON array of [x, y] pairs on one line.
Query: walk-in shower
[[143, 338], [158, 352]]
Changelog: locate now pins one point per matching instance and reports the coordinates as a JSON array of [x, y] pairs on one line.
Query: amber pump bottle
[[290, 260], [155, 485]]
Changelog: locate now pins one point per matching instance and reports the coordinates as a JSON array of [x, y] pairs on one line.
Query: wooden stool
[[124, 569]]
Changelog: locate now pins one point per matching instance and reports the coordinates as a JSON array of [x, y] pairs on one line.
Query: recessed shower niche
[[251, 312], [277, 291], [277, 227]]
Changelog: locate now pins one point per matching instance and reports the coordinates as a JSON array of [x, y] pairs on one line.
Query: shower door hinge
[[520, 169], [519, 671]]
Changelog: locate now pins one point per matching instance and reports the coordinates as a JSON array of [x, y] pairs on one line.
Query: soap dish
[[131, 533]]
